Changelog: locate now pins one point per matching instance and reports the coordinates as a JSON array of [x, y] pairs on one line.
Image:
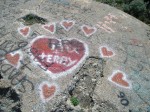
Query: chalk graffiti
[[24, 31], [106, 52], [51, 27], [67, 24], [14, 58], [105, 27], [124, 101], [58, 57], [9, 46], [16, 77], [87, 30], [120, 79], [47, 91], [109, 19]]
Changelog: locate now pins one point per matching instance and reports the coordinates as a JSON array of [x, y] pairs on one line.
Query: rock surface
[[72, 56]]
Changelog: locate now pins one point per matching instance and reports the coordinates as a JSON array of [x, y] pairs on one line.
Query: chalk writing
[[9, 46], [109, 19], [59, 57], [16, 76]]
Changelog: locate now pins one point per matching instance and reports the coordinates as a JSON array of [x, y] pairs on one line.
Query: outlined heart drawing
[[47, 91], [58, 57], [67, 24], [106, 52], [119, 78], [14, 58], [88, 30], [24, 31], [51, 27]]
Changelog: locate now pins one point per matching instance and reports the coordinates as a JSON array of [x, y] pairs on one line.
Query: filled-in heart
[[51, 27], [106, 52], [24, 31], [47, 90], [14, 58], [88, 30], [67, 24], [57, 56], [119, 78]]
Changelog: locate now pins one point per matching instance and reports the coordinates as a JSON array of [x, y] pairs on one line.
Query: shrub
[[74, 101], [119, 1], [135, 8]]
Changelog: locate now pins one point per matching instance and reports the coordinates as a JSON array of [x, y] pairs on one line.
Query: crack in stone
[[83, 86]]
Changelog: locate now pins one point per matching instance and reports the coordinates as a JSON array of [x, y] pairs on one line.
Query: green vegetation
[[137, 8], [74, 101], [31, 19]]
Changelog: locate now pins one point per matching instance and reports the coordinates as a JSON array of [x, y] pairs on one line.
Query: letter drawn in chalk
[[58, 57]]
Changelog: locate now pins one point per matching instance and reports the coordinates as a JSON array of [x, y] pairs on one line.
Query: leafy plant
[[135, 8], [31, 19], [74, 101]]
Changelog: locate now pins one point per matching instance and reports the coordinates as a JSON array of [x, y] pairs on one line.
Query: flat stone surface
[[54, 50]]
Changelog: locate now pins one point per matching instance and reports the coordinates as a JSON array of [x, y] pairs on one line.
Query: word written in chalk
[[56, 56], [62, 60]]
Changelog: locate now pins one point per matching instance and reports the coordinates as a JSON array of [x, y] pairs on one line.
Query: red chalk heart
[[58, 56], [119, 78], [48, 91], [13, 59], [50, 27], [88, 31], [67, 25], [106, 53], [24, 31]]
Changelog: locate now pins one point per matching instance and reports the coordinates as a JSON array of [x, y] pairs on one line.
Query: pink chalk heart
[[105, 52], [87, 30], [48, 91], [67, 24], [50, 27], [58, 57], [119, 78], [13, 59], [24, 31]]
